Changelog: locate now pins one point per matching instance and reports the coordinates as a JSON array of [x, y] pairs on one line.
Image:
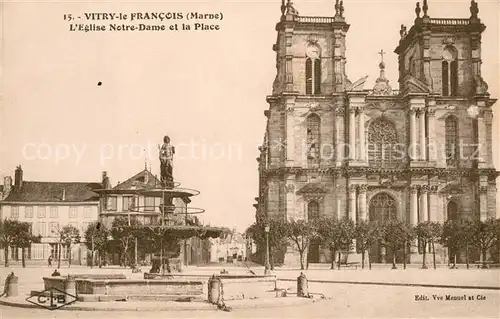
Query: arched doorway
[[382, 207]]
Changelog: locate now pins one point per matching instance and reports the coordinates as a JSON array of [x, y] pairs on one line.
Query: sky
[[205, 89]]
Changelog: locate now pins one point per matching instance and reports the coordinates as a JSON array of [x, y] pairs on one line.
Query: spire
[[283, 7], [417, 10], [425, 8]]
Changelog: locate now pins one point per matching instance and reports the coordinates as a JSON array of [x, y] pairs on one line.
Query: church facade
[[333, 148]]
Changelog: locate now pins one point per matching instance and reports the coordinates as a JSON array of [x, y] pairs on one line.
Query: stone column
[[352, 202], [413, 134], [362, 202], [432, 147], [433, 205], [423, 146], [424, 213], [483, 202], [361, 134], [290, 197], [339, 140], [290, 140], [413, 205], [352, 133], [481, 139]]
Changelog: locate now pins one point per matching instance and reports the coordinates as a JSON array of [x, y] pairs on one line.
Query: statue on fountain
[[167, 152]]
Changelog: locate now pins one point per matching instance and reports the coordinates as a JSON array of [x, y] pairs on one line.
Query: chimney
[[105, 180], [18, 177], [7, 185]]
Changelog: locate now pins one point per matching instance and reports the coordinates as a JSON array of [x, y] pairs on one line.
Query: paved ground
[[346, 300]]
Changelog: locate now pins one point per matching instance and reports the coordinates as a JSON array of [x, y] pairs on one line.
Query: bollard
[[11, 288], [302, 286], [70, 287], [213, 290]]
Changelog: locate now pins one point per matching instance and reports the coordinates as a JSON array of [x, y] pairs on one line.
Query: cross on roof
[[382, 54]]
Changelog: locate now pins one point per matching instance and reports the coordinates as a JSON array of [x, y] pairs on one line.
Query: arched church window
[[312, 210], [450, 71], [313, 139], [451, 139], [382, 142], [313, 70], [382, 207]]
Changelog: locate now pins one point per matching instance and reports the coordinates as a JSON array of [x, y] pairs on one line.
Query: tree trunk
[[404, 254], [333, 259], [394, 259], [272, 260], [301, 253], [6, 255], [455, 259], [484, 250], [99, 260], [338, 262], [433, 255], [369, 259], [23, 260], [69, 255], [59, 256], [363, 259], [467, 253], [424, 244]]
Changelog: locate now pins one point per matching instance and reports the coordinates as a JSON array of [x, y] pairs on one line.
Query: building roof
[[54, 192], [143, 179]]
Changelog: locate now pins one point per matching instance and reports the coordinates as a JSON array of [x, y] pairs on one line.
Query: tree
[[394, 236], [24, 238], [8, 234], [66, 236], [483, 236], [301, 232], [366, 235], [466, 236], [452, 238], [428, 233], [346, 229], [277, 236], [96, 239], [125, 231], [327, 230]]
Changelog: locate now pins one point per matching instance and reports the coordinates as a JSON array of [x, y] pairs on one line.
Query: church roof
[[54, 192]]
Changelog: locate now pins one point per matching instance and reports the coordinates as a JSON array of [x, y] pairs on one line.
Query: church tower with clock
[[335, 149]]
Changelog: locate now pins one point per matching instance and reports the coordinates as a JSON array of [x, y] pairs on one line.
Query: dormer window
[[450, 71]]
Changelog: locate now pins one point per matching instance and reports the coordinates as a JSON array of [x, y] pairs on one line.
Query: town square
[[338, 171]]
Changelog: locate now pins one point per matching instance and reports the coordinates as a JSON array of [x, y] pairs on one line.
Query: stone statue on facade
[[167, 152]]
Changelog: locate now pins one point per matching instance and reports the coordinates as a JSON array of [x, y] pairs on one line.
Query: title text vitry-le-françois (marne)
[[143, 21]]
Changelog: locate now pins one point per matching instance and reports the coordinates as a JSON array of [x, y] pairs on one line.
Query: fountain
[[172, 225]]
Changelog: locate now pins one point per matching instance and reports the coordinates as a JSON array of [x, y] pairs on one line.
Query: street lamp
[[267, 269]]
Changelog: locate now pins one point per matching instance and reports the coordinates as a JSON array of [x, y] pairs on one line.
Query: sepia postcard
[[249, 159]]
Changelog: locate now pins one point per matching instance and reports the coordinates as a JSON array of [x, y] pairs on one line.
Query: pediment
[[312, 188]]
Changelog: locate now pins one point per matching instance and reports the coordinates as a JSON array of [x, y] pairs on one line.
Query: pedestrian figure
[[50, 261]]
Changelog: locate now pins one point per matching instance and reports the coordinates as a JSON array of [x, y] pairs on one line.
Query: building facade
[[333, 148], [48, 207], [126, 200]]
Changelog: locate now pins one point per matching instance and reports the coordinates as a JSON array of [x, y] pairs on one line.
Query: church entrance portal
[[382, 208]]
